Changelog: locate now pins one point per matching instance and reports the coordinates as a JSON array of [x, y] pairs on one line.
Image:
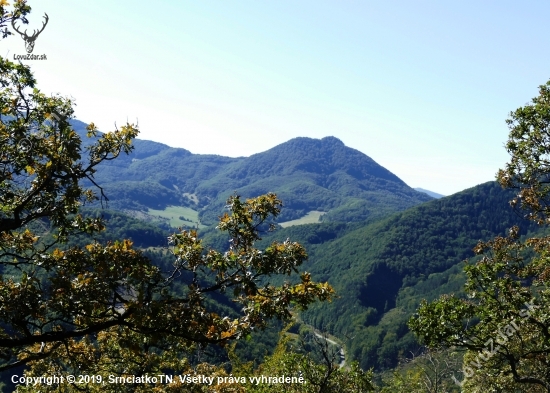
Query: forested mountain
[[430, 193], [310, 174], [382, 270], [307, 174], [380, 262]]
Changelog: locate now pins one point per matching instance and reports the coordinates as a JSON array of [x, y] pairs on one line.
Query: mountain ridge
[[381, 265], [430, 193], [308, 175]]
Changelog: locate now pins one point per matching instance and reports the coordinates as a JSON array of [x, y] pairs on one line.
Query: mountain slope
[[382, 270], [311, 174], [430, 193], [308, 175]]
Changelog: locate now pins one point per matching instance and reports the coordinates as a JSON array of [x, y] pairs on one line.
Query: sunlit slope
[[382, 270], [307, 174], [313, 175]]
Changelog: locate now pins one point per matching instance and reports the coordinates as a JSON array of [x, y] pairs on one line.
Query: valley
[[381, 244], [280, 238]]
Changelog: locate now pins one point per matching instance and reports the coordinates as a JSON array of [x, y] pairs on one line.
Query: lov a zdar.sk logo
[[29, 40]]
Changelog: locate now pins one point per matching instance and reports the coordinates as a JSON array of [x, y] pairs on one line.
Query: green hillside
[[178, 216], [311, 174], [311, 217], [382, 263], [307, 174], [381, 271]]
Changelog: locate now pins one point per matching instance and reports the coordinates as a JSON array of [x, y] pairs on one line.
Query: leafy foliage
[[431, 372], [105, 306], [382, 270], [322, 376], [529, 166], [19, 11], [504, 323]]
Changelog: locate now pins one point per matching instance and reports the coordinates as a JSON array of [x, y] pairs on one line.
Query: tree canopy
[[504, 321], [65, 308]]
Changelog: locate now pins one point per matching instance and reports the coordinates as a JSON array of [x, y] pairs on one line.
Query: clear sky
[[422, 87]]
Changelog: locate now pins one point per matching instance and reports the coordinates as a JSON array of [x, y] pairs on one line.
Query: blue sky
[[422, 87]]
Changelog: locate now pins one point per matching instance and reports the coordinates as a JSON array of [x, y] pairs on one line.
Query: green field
[[172, 213], [312, 217]]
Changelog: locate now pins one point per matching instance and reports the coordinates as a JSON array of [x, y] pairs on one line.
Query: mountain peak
[[317, 174], [308, 175], [322, 157], [332, 140]]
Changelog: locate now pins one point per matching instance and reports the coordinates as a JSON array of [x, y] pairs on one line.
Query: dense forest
[[307, 174], [125, 257], [381, 269]]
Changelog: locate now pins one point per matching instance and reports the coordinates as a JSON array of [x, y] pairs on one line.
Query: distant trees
[[504, 322], [104, 307]]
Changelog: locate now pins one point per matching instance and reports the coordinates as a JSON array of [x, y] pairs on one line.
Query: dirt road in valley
[[341, 352]]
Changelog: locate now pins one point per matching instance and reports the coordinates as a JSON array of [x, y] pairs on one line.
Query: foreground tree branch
[[59, 304], [504, 323]]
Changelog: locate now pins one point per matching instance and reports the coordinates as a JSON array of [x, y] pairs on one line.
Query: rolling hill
[[381, 244], [310, 175], [382, 270]]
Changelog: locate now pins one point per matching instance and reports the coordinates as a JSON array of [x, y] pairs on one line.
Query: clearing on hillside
[[173, 214], [312, 217]]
